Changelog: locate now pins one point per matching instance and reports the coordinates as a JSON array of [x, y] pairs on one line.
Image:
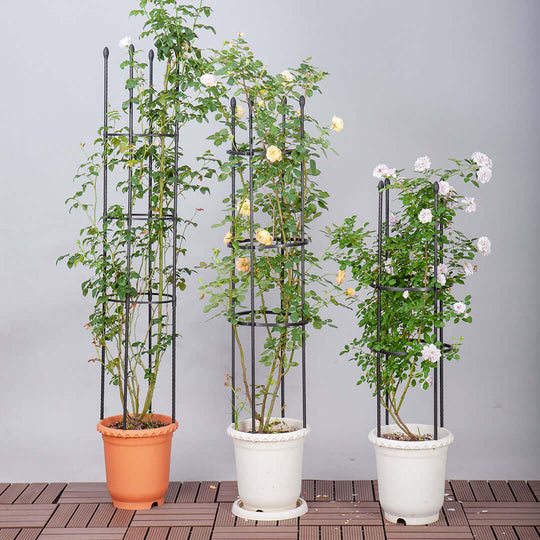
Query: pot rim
[[104, 429], [446, 438], [299, 433]]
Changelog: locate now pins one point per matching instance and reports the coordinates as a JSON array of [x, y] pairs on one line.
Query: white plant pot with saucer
[[411, 474], [269, 471]]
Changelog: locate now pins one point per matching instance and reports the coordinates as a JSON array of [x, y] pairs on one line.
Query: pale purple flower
[[429, 381], [442, 269], [380, 171], [471, 205], [125, 42], [484, 245], [441, 279], [445, 188], [481, 160], [459, 308], [392, 219], [405, 294], [484, 175], [208, 79], [468, 268], [431, 352], [422, 164], [425, 215]]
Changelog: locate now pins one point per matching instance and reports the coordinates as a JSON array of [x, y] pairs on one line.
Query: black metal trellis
[[278, 244], [149, 299], [383, 228]]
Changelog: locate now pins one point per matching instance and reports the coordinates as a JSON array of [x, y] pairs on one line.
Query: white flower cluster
[[422, 164], [383, 171], [431, 352], [485, 167]]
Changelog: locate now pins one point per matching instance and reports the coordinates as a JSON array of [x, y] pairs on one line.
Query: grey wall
[[411, 78]]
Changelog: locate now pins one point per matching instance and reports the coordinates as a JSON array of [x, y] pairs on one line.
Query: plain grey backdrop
[[443, 78]]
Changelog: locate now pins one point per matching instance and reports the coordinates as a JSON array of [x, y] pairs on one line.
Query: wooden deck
[[338, 510]]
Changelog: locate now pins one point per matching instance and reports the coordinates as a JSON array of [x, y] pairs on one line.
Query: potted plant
[[268, 283], [134, 241], [414, 266]]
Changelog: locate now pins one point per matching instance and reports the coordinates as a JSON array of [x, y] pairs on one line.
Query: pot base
[[423, 520], [258, 515], [141, 505]]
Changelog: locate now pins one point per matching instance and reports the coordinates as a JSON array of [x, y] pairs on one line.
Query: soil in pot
[[132, 422]]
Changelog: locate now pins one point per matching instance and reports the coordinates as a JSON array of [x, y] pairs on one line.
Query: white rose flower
[[425, 215], [337, 123], [392, 219], [459, 308], [445, 188], [208, 79], [390, 173], [431, 353], [273, 153], [442, 269], [239, 112], [405, 294], [441, 279], [422, 164], [380, 170], [125, 42], [471, 205], [484, 245], [484, 174], [481, 159], [287, 75], [468, 268]]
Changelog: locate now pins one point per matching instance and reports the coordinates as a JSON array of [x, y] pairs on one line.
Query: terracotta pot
[[137, 462]]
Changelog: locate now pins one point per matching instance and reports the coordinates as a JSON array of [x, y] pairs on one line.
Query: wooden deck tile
[[526, 533], [324, 490], [521, 491], [29, 534], [25, 515], [343, 490], [224, 516], [309, 533], [330, 533], [502, 491], [374, 533], [188, 492], [82, 516], [137, 533], [201, 533], [503, 514], [504, 533], [102, 515], [50, 493], [308, 490], [255, 533], [421, 532], [172, 491], [481, 490], [157, 533], [535, 488], [176, 515], [121, 518], [342, 513], [78, 492], [3, 487], [83, 534], [9, 534], [11, 493], [363, 490], [454, 513], [30, 494], [207, 492], [352, 533], [62, 515], [462, 490], [483, 533], [179, 533], [227, 492]]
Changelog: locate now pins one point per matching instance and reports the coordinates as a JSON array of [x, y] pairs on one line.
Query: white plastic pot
[[411, 474], [269, 471]]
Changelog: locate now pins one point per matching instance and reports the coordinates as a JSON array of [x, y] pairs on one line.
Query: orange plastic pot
[[137, 462]]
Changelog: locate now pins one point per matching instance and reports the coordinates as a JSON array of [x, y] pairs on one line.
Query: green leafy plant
[[408, 262], [283, 160], [147, 167]]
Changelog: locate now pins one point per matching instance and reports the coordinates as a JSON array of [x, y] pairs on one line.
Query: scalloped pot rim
[[104, 429], [446, 438], [299, 433]]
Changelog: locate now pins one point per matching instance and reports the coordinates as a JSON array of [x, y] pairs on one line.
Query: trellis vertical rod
[[233, 265], [379, 263], [435, 309], [150, 187], [251, 266], [282, 251], [387, 234], [128, 244], [175, 247], [105, 210], [441, 336], [303, 259]]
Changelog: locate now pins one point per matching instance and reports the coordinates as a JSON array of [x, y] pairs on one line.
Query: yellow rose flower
[[239, 112], [350, 291], [227, 238], [337, 123], [273, 154], [243, 264], [264, 237], [260, 103], [244, 208], [340, 277]]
